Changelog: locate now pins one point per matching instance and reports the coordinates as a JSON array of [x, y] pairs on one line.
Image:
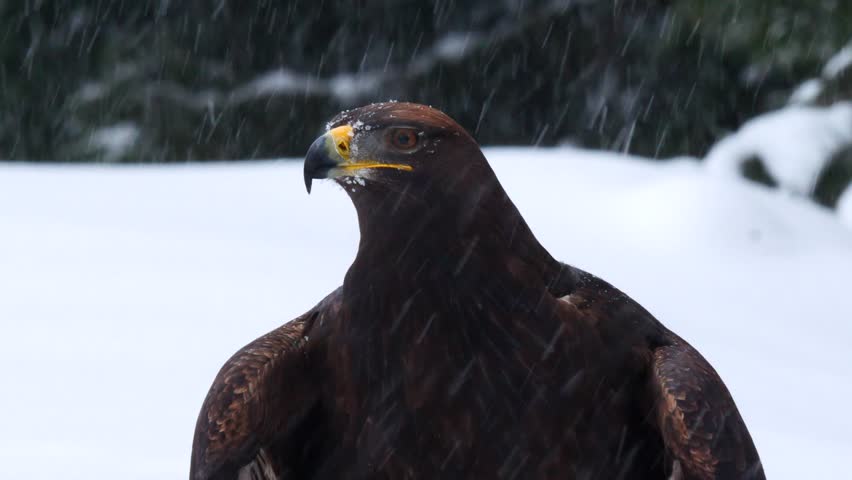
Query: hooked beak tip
[[321, 159]]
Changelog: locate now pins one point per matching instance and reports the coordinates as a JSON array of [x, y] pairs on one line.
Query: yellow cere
[[341, 136]]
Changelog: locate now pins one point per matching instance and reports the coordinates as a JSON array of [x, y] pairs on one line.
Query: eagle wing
[[261, 394], [704, 435]]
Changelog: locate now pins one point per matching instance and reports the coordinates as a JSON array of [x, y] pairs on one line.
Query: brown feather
[[262, 391], [457, 347], [697, 417]]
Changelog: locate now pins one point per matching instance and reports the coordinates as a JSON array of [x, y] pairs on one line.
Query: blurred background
[[697, 154], [198, 80]]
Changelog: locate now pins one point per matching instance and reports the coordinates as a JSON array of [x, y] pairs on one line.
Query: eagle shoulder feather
[[263, 391], [703, 432]]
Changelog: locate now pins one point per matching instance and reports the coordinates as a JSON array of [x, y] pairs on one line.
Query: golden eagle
[[457, 347]]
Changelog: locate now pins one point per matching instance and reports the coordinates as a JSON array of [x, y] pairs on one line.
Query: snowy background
[[226, 79], [125, 288]]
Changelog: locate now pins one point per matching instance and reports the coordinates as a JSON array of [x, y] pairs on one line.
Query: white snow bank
[[123, 289], [795, 144], [844, 206], [725, 212]]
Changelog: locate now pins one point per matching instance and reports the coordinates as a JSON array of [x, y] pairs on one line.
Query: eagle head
[[394, 147]]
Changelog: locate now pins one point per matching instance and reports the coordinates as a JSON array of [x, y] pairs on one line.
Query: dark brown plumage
[[457, 347]]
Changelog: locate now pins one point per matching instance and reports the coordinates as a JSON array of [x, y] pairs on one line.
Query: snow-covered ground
[[123, 289]]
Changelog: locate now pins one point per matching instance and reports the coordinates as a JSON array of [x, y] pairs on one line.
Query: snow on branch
[[795, 144]]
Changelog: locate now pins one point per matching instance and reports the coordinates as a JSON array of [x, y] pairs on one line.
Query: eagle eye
[[403, 139]]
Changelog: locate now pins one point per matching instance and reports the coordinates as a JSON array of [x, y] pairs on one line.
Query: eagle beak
[[328, 152], [330, 157]]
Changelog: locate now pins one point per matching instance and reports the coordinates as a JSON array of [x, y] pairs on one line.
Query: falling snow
[[165, 271], [167, 286]]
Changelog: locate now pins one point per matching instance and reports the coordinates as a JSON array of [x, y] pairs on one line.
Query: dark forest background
[[217, 79]]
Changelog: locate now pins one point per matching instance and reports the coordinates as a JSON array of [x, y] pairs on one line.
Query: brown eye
[[403, 138]]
